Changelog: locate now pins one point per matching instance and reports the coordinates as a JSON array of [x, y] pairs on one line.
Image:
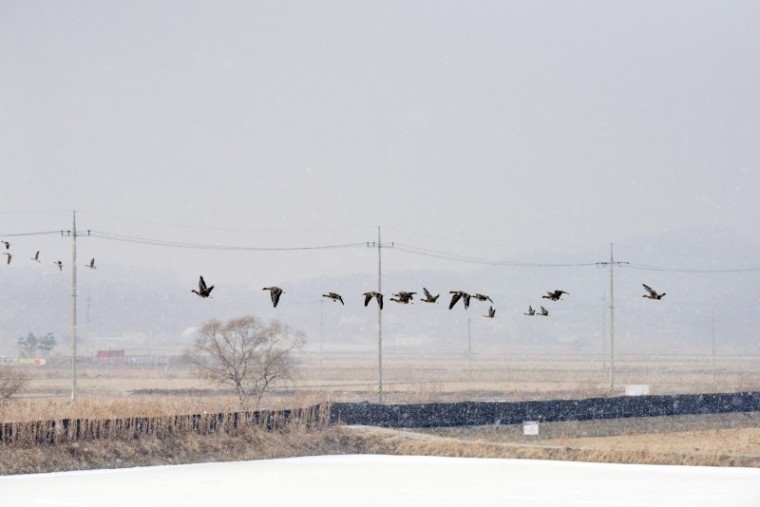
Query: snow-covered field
[[389, 480]]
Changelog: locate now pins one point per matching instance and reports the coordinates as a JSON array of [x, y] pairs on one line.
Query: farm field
[[422, 378], [111, 390]]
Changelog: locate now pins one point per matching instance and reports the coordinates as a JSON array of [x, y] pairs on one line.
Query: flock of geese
[[36, 258], [405, 298]]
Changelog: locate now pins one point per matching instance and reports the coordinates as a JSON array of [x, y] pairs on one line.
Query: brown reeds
[[27, 424]]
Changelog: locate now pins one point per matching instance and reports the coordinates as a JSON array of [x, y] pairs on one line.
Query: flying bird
[[544, 312], [91, 264], [275, 292], [7, 245], [36, 257], [373, 294], [652, 293], [429, 298], [482, 297], [555, 296], [59, 264], [530, 311], [334, 296], [400, 298], [203, 291], [456, 295], [491, 313], [403, 297], [9, 255]]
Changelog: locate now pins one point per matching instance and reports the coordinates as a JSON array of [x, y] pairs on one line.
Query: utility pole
[[604, 333], [469, 348], [73, 234], [612, 263], [321, 329], [712, 342], [379, 246]]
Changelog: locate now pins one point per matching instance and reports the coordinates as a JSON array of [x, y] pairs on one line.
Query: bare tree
[[246, 354], [11, 381]]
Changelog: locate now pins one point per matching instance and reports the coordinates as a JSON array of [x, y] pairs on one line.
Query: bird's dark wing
[[340, 298], [649, 289], [427, 293], [466, 300], [367, 297], [454, 299], [379, 298], [201, 284], [208, 291], [276, 296]]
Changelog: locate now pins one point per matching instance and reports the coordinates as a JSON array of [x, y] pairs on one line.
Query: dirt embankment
[[694, 442]]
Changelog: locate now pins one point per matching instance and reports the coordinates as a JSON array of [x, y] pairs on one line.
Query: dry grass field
[[112, 391], [425, 378]]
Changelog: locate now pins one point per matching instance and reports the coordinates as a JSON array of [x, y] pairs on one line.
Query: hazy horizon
[[229, 139]]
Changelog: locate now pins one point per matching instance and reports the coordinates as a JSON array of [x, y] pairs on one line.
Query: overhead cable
[[204, 246], [479, 260], [644, 267]]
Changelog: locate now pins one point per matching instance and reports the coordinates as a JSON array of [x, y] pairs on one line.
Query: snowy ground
[[389, 480]]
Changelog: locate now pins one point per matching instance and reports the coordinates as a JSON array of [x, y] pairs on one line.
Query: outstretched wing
[[379, 298], [276, 296], [201, 285], [427, 293], [466, 300], [454, 299], [367, 297], [649, 290]]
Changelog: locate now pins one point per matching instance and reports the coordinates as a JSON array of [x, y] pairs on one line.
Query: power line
[[210, 228], [40, 233], [479, 260], [202, 246], [644, 267]]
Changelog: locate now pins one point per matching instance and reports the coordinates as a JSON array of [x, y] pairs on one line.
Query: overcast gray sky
[[489, 128]]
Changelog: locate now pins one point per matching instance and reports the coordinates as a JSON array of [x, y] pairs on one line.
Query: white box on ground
[[530, 428], [637, 390]]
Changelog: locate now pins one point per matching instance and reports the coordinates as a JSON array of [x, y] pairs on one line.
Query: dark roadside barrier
[[484, 413]]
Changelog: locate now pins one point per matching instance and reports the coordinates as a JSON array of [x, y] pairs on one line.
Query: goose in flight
[[203, 291], [7, 245], [491, 313], [9, 255], [531, 312], [429, 298], [652, 293], [59, 264], [456, 295], [403, 297], [544, 312], [36, 257], [275, 292], [91, 264], [482, 297], [555, 296], [334, 296], [373, 294]]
